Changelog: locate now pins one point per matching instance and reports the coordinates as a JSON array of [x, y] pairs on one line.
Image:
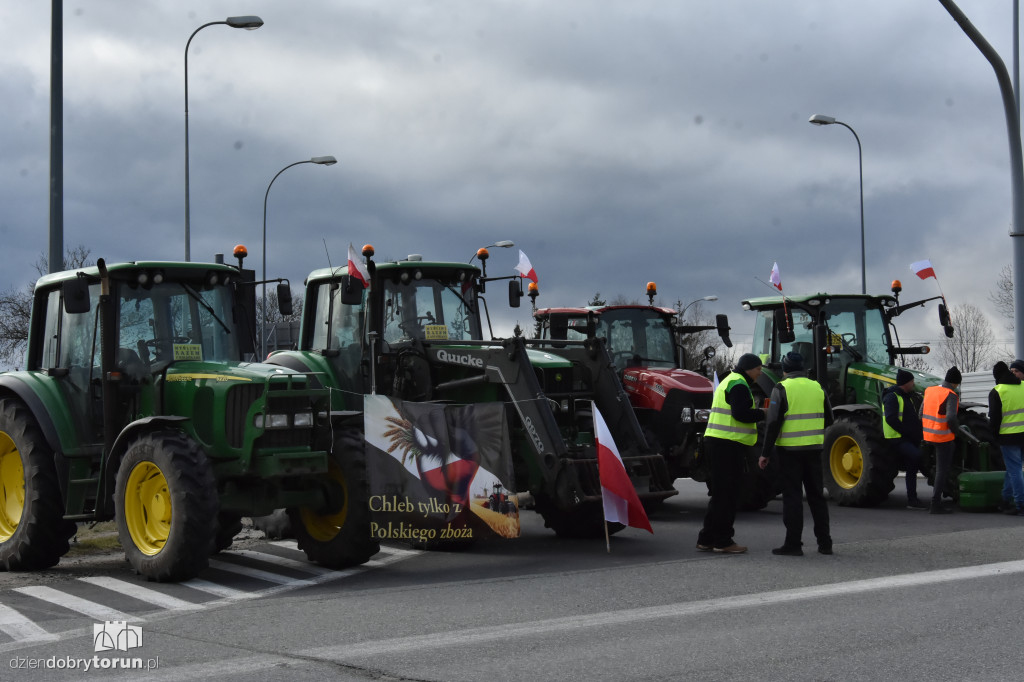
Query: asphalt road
[[907, 595]]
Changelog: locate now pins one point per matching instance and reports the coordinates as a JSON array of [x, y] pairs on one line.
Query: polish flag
[[775, 278], [621, 503], [525, 269], [923, 269], [356, 267]]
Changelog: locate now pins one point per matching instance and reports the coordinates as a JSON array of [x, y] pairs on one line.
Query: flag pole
[[607, 538]]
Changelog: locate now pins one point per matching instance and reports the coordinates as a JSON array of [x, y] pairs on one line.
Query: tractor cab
[[848, 341]]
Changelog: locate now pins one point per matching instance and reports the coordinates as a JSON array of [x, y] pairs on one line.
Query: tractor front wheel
[[33, 532], [341, 537], [858, 470], [165, 503]]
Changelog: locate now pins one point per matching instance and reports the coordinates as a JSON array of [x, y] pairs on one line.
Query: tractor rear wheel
[[857, 468], [165, 503], [340, 538], [33, 532]]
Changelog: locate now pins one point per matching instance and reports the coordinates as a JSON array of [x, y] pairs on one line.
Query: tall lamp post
[[319, 160], [249, 23], [705, 298], [822, 120]]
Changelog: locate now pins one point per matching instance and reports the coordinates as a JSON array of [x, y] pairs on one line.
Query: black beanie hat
[[747, 361], [1017, 364], [792, 362], [953, 376], [999, 372], [903, 377]]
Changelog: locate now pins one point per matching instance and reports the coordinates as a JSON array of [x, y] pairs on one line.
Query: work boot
[[704, 548], [788, 551], [915, 503], [731, 549]]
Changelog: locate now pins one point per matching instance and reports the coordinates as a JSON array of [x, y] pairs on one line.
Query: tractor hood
[[242, 372], [543, 359], [664, 379]]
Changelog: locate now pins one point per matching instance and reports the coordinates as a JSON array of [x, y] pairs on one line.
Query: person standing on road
[[798, 414], [1006, 416], [939, 423], [729, 438], [901, 427]]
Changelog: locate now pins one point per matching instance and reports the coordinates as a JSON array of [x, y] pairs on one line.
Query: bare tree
[[16, 307], [276, 323], [1003, 295], [972, 347]]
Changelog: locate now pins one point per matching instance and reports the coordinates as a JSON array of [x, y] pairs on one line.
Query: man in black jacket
[[902, 430]]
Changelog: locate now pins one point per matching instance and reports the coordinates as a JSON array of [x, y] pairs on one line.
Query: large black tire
[[342, 538], [165, 504], [33, 532], [580, 522], [857, 468]]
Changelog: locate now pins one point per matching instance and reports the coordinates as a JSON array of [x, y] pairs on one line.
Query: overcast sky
[[613, 142]]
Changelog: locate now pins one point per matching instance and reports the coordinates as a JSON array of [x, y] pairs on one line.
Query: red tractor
[[671, 403]]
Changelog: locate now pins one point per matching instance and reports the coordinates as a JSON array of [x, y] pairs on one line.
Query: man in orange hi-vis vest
[[938, 420]]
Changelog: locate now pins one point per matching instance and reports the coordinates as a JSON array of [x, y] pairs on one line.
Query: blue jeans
[[1013, 483]]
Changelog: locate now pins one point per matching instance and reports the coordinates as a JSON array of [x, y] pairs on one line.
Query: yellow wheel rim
[[846, 462], [147, 508], [12, 487], [324, 528]]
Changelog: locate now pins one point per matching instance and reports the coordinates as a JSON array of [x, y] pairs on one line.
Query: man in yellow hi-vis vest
[[940, 425], [798, 413], [730, 434], [1006, 417]]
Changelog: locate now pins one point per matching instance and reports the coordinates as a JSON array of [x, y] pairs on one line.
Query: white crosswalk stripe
[[18, 627], [24, 631], [140, 592], [70, 601]]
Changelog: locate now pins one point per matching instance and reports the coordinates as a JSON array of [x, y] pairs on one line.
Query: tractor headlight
[[686, 416], [302, 420], [702, 415]]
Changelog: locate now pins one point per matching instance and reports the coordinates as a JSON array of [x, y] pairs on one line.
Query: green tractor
[[135, 404], [417, 334], [850, 343]]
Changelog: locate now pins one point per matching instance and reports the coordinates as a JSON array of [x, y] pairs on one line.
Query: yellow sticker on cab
[[435, 332], [188, 351]]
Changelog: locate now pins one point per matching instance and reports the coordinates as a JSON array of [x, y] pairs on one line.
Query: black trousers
[[801, 474], [943, 463], [908, 454], [726, 459]]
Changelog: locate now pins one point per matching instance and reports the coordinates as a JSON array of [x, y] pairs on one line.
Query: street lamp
[[822, 120], [503, 244], [705, 298], [249, 23], [319, 160]]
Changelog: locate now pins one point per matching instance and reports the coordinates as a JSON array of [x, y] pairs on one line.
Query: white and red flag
[[621, 503], [923, 269], [775, 278], [525, 269], [356, 267]]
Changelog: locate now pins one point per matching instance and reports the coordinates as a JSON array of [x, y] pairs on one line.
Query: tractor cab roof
[[599, 309], [166, 270], [771, 302], [411, 262]]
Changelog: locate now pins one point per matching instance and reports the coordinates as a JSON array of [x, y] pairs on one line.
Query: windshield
[[855, 328], [433, 310], [170, 321], [637, 337]]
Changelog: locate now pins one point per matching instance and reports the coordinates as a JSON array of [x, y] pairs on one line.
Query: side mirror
[[943, 315], [75, 293], [722, 323], [284, 299], [515, 293], [784, 326], [948, 329], [351, 290]]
